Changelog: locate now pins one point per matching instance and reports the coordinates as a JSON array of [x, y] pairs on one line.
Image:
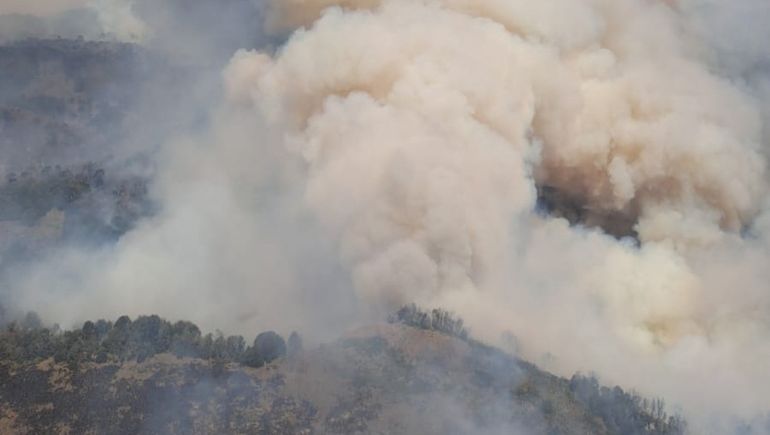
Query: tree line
[[437, 319], [125, 339], [624, 412]]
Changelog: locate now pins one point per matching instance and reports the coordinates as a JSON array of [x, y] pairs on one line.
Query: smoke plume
[[392, 151]]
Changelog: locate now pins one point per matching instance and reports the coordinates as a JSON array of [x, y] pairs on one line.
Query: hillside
[[387, 378], [64, 104], [61, 99]]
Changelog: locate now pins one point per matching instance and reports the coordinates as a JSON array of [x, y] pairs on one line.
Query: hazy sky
[[38, 7]]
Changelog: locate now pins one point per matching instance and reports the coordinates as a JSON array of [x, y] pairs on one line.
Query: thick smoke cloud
[[390, 151], [423, 149]]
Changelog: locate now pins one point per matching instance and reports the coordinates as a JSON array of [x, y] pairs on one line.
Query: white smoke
[[413, 134], [425, 126], [118, 19]]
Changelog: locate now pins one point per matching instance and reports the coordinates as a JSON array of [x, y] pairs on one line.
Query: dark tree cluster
[[30, 194], [125, 339], [93, 202], [625, 413], [435, 320]]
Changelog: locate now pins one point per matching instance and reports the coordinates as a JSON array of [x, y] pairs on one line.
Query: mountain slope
[[381, 379]]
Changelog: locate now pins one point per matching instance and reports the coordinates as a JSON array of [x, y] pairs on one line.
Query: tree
[[32, 321], [294, 345], [89, 330], [185, 339], [235, 346], [268, 346], [117, 338]]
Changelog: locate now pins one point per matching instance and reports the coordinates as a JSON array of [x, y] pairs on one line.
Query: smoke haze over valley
[[584, 182]]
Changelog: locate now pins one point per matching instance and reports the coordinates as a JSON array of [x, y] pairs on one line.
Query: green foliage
[[435, 320]]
